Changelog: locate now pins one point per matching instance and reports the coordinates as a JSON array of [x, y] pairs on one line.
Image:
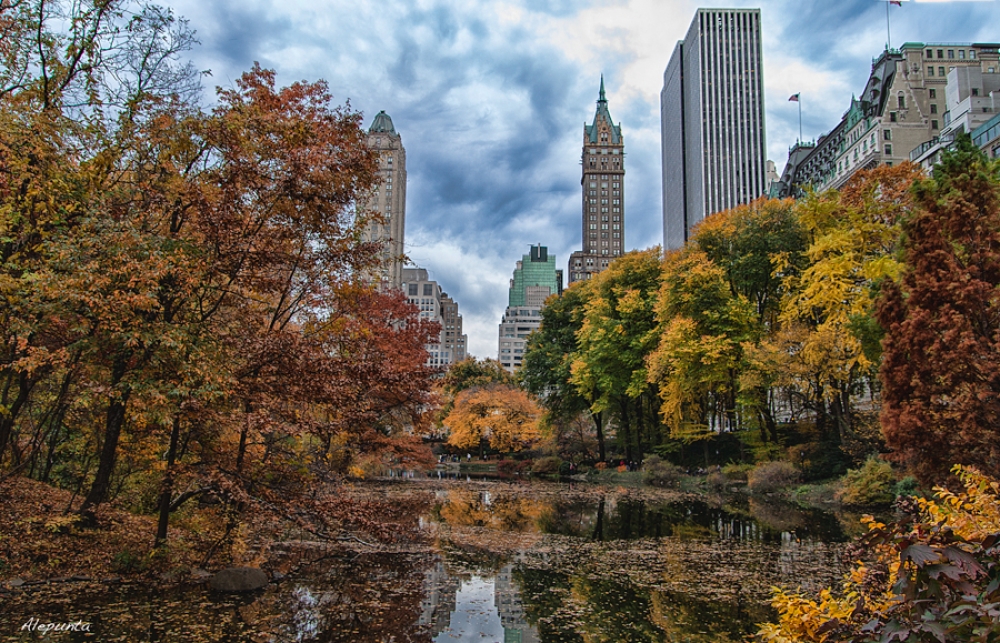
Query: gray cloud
[[491, 110]]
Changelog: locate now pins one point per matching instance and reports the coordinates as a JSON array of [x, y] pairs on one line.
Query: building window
[[412, 289], [428, 290], [961, 54], [933, 93], [888, 149], [934, 124], [951, 53], [972, 54], [887, 134], [941, 71], [901, 101], [930, 70], [933, 108], [975, 91], [892, 117], [940, 53], [930, 53]]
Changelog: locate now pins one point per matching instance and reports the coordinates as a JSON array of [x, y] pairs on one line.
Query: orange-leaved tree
[[503, 417]]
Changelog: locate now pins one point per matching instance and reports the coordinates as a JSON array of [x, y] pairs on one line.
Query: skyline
[[490, 99]]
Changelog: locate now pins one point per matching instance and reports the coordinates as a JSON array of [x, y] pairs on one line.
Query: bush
[[717, 481], [872, 484], [512, 467], [906, 487], [546, 466], [657, 472], [737, 472], [768, 477]]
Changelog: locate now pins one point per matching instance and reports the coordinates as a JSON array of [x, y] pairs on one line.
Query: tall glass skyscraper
[[712, 120], [535, 279]]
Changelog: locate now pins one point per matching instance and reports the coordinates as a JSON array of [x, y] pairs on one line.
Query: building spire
[[602, 99]]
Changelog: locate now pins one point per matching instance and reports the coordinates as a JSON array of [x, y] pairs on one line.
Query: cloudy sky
[[490, 98]]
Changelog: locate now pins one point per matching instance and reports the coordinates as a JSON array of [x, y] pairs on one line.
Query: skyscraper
[[535, 278], [603, 187], [712, 120], [389, 199]]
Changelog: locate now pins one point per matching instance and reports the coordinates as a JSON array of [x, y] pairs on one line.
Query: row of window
[[929, 53], [593, 150]]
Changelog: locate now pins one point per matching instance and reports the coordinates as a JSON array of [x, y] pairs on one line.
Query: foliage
[[935, 579], [770, 477], [503, 417], [618, 332], [941, 366], [659, 473], [547, 466], [546, 370], [189, 308], [872, 484]]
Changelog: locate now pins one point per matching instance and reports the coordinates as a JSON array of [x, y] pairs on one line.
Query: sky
[[490, 98]]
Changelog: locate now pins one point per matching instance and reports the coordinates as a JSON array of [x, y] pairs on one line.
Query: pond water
[[502, 563]]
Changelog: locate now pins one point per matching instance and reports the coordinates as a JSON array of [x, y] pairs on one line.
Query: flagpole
[[799, 101], [888, 35]]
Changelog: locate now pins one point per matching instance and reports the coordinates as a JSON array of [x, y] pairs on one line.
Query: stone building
[[435, 305], [389, 198], [603, 187], [900, 114]]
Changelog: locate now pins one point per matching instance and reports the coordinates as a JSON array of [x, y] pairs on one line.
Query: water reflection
[[610, 517], [513, 564]]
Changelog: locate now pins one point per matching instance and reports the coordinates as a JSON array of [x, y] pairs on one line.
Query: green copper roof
[[382, 123], [602, 111]]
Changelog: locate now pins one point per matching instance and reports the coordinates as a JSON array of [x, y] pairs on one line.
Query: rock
[[238, 579], [277, 577], [17, 582], [200, 575]]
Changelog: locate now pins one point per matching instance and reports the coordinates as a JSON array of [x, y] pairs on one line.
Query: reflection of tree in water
[[587, 605], [501, 511], [360, 598]]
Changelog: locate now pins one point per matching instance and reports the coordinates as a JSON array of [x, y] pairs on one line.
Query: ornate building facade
[[603, 187], [389, 198]]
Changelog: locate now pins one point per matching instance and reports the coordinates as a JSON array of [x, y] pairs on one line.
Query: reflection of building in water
[[440, 589], [508, 600]]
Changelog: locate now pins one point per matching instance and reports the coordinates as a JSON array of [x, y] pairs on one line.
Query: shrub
[[768, 477], [512, 467], [908, 486], [872, 484], [546, 466], [657, 472], [717, 481], [737, 472]]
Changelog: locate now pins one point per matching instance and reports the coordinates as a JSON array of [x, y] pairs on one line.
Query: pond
[[501, 562]]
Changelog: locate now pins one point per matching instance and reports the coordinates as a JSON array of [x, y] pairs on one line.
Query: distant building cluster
[[386, 208], [918, 98]]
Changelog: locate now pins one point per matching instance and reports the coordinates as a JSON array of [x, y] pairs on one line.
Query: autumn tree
[[941, 362], [617, 334], [546, 370], [503, 417], [829, 346]]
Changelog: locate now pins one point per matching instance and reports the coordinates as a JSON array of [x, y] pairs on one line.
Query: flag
[[794, 98], [898, 3]]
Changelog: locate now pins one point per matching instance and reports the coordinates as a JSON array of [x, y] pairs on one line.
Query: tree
[[941, 353], [546, 370], [503, 417], [829, 336], [617, 334]]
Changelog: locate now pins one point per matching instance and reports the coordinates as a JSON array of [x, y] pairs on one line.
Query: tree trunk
[[113, 424], [24, 386], [167, 486], [598, 419]]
